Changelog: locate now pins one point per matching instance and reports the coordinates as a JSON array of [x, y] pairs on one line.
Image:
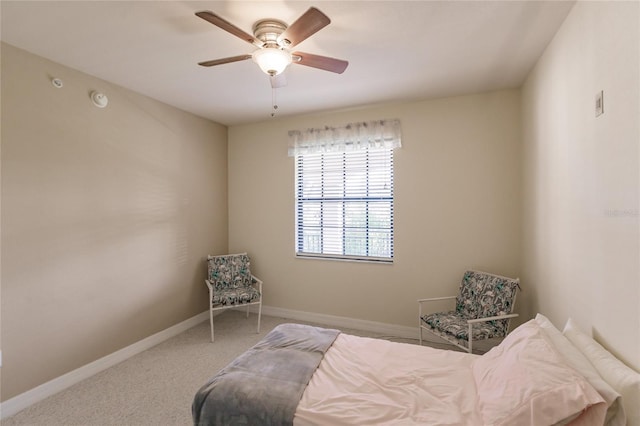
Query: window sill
[[376, 260]]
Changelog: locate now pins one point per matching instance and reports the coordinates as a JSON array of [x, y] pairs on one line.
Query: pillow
[[615, 412], [524, 380], [623, 379]]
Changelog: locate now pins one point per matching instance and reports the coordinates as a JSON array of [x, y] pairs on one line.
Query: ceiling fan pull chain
[[274, 106]]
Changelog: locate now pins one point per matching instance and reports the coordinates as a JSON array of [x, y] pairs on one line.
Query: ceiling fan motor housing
[[268, 30]]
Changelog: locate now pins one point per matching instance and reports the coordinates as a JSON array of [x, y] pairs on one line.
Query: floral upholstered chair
[[484, 308], [232, 285]]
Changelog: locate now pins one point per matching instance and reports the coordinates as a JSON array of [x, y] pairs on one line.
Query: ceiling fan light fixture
[[272, 60]]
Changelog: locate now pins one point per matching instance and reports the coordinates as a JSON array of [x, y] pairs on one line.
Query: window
[[344, 204], [344, 201]]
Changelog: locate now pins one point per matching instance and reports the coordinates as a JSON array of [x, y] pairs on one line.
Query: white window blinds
[[344, 200]]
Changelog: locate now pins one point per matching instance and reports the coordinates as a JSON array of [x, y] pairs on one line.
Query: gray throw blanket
[[263, 386]]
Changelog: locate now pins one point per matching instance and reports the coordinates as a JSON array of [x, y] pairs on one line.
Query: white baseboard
[[24, 400], [337, 321]]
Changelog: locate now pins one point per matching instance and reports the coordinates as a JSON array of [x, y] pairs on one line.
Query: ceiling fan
[[274, 40]]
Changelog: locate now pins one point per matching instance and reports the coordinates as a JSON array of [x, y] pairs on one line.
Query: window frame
[[368, 200]]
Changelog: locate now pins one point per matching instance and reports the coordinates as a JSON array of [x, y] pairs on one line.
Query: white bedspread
[[371, 381], [522, 381]]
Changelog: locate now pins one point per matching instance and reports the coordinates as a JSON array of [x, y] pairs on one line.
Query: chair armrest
[[208, 283], [499, 317], [433, 299]]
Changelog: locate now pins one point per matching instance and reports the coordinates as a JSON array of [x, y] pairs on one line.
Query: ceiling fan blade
[[229, 27], [224, 60], [308, 24], [322, 62], [278, 81]]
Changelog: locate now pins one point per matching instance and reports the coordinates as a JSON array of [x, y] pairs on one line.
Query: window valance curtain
[[352, 137]]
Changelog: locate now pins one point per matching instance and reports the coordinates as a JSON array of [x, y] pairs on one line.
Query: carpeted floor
[[156, 387]]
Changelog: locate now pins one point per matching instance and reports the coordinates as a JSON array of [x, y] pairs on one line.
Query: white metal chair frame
[[255, 281], [470, 322]]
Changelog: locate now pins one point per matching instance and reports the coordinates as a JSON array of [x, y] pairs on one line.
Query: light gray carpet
[[156, 387]]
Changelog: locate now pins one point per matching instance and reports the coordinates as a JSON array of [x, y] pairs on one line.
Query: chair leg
[[420, 321], [211, 322], [259, 315]]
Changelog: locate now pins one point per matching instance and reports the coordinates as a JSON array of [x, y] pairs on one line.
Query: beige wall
[[107, 215], [581, 255], [457, 206]]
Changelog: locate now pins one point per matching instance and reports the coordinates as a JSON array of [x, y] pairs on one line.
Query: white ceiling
[[397, 50]]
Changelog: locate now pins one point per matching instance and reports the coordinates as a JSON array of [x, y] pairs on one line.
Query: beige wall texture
[[581, 255], [457, 206], [107, 216]]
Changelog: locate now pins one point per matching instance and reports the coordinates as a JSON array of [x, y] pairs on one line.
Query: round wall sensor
[[57, 83], [99, 99]]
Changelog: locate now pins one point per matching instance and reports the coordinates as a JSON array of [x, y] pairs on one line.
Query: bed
[[305, 375]]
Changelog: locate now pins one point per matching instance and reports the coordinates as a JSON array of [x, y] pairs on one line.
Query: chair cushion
[[235, 296], [230, 271], [455, 325], [467, 304], [485, 295]]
